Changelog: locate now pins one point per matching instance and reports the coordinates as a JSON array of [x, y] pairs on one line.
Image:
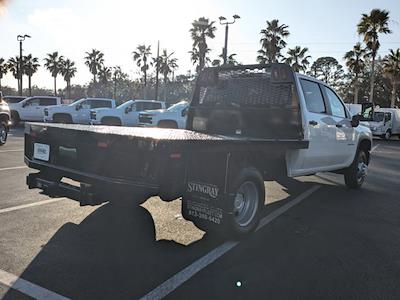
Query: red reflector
[[102, 144], [175, 155]]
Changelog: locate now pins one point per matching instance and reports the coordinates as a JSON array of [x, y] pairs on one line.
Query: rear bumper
[[48, 179]]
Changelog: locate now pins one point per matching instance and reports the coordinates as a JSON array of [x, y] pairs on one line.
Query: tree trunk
[[145, 85], [94, 78], [165, 88], [0, 83], [371, 91], [29, 85], [356, 90], [115, 89], [55, 85], [393, 98], [69, 89]]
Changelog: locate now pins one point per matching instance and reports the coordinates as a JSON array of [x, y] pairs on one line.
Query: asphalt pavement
[[318, 240]]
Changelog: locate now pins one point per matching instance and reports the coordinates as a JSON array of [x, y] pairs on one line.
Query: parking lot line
[[178, 279], [11, 150], [13, 168], [28, 288], [4, 210], [374, 148]]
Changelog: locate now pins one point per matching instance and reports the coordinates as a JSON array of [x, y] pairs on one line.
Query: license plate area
[[41, 151]]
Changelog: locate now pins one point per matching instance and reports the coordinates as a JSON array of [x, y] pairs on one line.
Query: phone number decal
[[205, 212]]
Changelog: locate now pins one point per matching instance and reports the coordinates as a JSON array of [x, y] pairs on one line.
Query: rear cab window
[[48, 101], [313, 96], [100, 104]]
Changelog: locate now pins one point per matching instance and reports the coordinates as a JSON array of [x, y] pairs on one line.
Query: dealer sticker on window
[[41, 151]]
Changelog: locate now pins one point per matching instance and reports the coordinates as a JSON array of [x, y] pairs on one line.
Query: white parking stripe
[[13, 168], [28, 288], [11, 150], [374, 148], [4, 210], [178, 279]]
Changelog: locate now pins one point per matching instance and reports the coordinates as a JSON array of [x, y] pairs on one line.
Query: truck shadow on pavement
[[113, 254]]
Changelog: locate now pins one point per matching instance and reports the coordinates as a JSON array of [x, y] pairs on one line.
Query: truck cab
[[173, 117], [32, 108], [385, 123], [77, 112], [5, 120]]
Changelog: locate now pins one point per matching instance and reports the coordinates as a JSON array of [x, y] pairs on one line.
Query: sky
[[73, 27]]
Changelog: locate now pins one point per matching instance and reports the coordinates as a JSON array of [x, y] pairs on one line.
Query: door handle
[[339, 125], [313, 123]]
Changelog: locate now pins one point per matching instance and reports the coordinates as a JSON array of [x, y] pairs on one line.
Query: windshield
[[76, 102], [177, 107], [378, 116], [125, 104]]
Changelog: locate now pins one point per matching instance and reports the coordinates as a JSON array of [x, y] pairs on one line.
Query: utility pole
[[222, 21], [20, 39], [157, 67]]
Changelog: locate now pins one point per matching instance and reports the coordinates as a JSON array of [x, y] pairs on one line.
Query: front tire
[[356, 173], [3, 133], [387, 135]]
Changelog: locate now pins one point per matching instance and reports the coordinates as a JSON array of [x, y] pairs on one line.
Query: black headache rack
[[255, 101]]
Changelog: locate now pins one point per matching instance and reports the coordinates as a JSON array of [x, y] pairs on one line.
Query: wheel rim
[[3, 134], [246, 203], [362, 169], [387, 135]]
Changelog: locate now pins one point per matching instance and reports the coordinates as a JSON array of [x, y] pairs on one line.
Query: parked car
[[173, 117], [77, 112], [5, 118], [125, 114], [32, 108], [245, 124]]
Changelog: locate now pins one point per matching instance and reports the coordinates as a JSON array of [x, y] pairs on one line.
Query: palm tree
[[104, 74], [118, 76], [200, 31], [53, 63], [30, 67], [370, 27], [167, 65], [298, 59], [94, 61], [3, 69], [356, 64], [231, 61], [391, 70], [13, 67], [68, 71], [272, 42], [140, 57]]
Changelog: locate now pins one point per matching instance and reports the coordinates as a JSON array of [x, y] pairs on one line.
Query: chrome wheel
[[362, 169], [246, 203], [3, 134]]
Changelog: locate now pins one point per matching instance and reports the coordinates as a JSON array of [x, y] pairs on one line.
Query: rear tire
[[247, 204], [15, 119], [3, 133], [387, 135], [356, 173]]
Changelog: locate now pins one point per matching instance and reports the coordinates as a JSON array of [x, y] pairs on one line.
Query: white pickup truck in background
[[173, 117], [126, 114], [77, 112], [32, 108]]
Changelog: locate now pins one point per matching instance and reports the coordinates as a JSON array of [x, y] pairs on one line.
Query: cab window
[[313, 96], [48, 101], [336, 105], [33, 102]]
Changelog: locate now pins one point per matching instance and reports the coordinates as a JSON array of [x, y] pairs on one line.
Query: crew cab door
[[29, 109], [346, 143], [319, 130]]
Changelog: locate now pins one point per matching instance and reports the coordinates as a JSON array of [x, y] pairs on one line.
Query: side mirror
[[127, 110], [78, 107], [355, 120], [185, 112], [24, 104]]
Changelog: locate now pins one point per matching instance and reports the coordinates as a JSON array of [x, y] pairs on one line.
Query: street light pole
[[21, 38], [223, 21]]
